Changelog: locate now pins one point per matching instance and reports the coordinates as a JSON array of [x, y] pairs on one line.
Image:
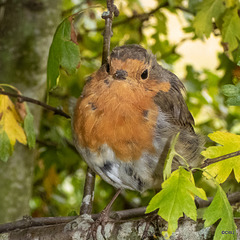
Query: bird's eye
[[108, 68], [144, 74]]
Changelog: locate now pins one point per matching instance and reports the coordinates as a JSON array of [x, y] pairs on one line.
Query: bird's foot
[[101, 221]]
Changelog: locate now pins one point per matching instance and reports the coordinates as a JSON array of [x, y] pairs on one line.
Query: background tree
[[26, 29], [59, 172]]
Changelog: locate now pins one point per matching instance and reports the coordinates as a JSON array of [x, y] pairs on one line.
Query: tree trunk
[[26, 31]]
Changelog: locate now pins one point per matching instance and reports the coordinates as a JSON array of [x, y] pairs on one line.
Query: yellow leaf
[[221, 170], [9, 121]]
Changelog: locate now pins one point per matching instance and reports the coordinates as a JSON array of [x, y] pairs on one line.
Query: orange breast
[[118, 114]]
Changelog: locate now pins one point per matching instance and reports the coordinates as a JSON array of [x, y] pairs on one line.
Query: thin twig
[[125, 214], [218, 159], [142, 16], [232, 198], [22, 98], [88, 195], [107, 34], [27, 222]]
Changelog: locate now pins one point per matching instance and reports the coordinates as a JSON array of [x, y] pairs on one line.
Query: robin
[[126, 117]]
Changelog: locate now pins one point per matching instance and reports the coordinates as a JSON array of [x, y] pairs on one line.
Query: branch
[[107, 34], [88, 193], [22, 98], [79, 228], [128, 214], [232, 198], [27, 222], [209, 161], [142, 16]]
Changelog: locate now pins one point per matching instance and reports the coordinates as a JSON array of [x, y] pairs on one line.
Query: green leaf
[[220, 208], [236, 55], [168, 162], [230, 3], [207, 10], [233, 101], [176, 190], [173, 3], [29, 128], [64, 52], [233, 92], [230, 28], [221, 170], [230, 90], [5, 146]]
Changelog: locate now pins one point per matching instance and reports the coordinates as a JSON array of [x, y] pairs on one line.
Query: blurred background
[[56, 170]]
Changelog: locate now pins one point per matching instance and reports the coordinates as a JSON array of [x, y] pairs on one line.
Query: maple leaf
[[168, 162], [10, 120], [10, 129], [220, 208], [178, 188], [230, 28], [233, 93], [208, 9], [221, 170]]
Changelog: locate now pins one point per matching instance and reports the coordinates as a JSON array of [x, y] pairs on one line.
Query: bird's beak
[[120, 75]]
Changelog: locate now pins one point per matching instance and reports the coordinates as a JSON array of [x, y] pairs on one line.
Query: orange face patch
[[134, 67]]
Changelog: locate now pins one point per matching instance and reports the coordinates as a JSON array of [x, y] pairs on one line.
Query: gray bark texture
[[117, 230], [26, 32]]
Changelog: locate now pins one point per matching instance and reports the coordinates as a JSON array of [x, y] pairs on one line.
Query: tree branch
[[79, 227], [27, 222], [232, 198], [209, 161], [88, 195], [22, 98], [107, 34], [142, 16]]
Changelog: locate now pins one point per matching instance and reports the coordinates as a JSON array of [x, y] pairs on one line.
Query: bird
[[128, 113]]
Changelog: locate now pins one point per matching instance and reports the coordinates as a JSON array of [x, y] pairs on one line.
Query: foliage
[[168, 162], [16, 124], [233, 94], [10, 128], [221, 170], [212, 96], [220, 209], [178, 188], [64, 52]]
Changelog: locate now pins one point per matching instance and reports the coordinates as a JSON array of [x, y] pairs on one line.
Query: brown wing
[[172, 102]]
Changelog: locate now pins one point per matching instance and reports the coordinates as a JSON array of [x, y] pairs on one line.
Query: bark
[[113, 230], [26, 31]]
